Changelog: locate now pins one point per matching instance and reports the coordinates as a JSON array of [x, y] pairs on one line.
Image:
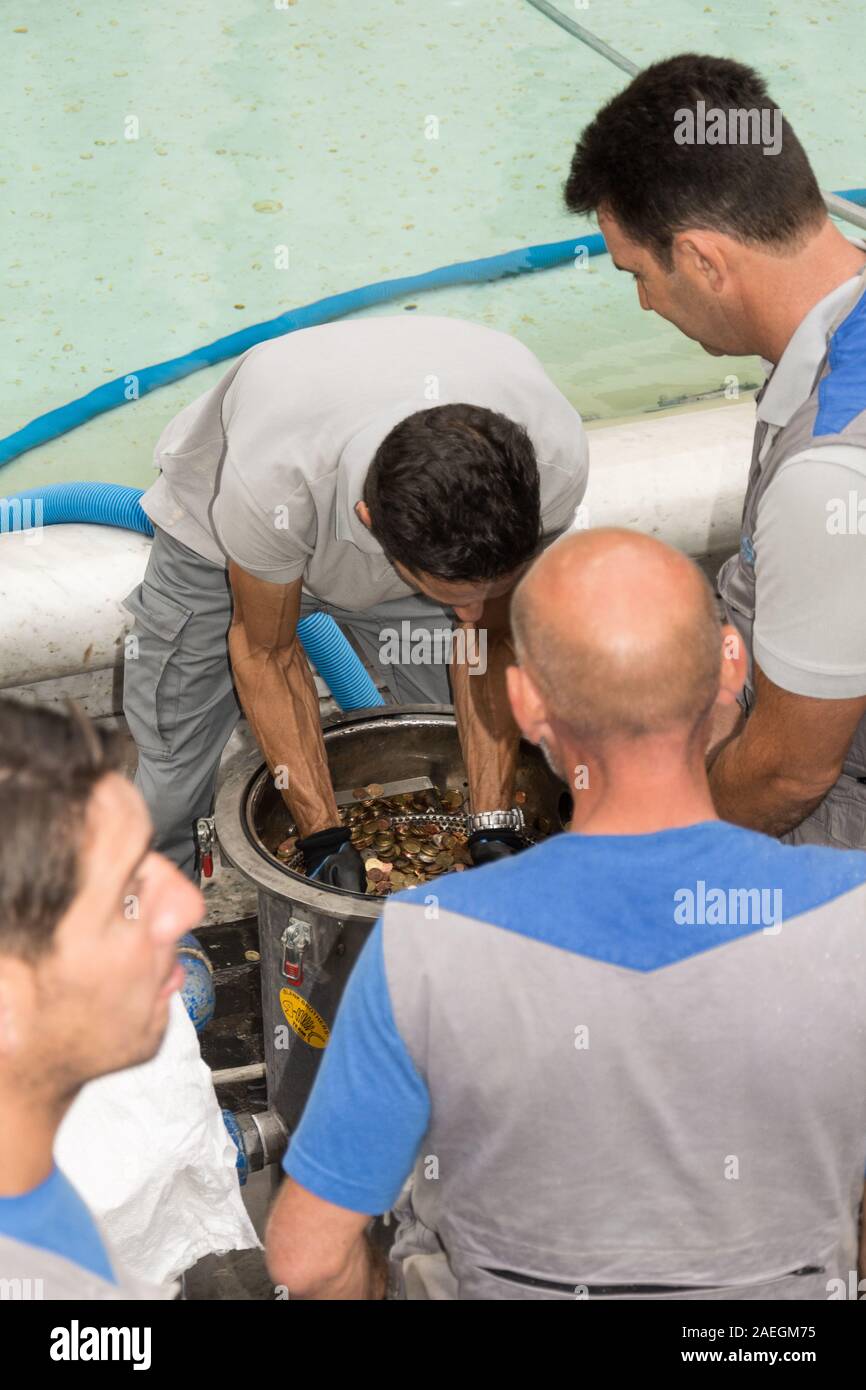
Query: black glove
[[330, 857], [486, 846]]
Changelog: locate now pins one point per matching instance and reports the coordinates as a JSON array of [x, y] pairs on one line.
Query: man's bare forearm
[[489, 736], [278, 694], [363, 1278], [747, 794]]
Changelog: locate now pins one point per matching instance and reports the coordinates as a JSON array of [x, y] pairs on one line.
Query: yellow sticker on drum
[[310, 1027]]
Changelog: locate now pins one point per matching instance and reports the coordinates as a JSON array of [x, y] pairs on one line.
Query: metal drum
[[310, 936]]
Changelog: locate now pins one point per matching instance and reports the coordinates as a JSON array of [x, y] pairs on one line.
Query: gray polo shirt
[[810, 617], [267, 466], [620, 1066]]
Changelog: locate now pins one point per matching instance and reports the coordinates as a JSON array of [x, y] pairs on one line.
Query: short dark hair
[[50, 761], [627, 162], [454, 492]]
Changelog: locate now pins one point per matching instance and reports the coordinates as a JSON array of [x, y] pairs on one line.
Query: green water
[[122, 252]]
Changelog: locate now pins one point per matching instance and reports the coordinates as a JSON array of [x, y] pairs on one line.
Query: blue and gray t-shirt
[[618, 1065], [51, 1248]]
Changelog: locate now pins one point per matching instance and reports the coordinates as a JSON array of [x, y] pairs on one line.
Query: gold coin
[[411, 846], [374, 789]]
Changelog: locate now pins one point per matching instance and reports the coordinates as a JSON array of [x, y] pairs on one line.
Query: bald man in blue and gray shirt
[[629, 1062]]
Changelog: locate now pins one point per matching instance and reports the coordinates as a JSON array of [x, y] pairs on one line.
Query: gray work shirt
[[810, 615], [267, 466], [620, 1066], [797, 588]]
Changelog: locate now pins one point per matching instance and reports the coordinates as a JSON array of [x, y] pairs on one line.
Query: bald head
[[620, 635]]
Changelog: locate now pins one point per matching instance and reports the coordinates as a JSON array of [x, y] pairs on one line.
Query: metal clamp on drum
[[295, 940], [205, 838]]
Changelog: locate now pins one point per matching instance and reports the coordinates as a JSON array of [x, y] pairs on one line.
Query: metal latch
[[205, 838], [295, 940]]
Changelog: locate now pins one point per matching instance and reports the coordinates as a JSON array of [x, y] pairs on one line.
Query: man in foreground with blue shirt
[[89, 923], [627, 1063]]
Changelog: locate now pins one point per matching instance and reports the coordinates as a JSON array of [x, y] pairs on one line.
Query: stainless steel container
[[310, 936]]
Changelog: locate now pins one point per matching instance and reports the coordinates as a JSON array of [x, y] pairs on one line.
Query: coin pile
[[404, 856], [401, 856]]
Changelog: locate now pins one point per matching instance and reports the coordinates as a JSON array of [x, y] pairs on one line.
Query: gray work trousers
[[178, 695]]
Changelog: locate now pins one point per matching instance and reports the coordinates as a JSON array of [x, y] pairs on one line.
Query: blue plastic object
[[242, 1163], [337, 662], [197, 990]]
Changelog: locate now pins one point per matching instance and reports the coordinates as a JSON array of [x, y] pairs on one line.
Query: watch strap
[[497, 820]]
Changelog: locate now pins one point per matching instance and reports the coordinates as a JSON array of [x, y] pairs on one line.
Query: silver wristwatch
[[497, 820]]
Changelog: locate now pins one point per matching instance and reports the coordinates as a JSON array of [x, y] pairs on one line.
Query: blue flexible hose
[[197, 991], [102, 504], [135, 384]]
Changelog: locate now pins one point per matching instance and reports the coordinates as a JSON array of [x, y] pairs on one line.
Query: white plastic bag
[[149, 1153]]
